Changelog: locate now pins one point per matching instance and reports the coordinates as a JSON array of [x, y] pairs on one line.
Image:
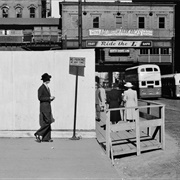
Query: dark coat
[[45, 116], [114, 99]]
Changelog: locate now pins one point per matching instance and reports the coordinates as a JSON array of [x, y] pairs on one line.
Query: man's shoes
[[47, 140], [37, 138]]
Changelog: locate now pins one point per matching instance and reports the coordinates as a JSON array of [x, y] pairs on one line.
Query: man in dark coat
[[114, 99], [45, 117]]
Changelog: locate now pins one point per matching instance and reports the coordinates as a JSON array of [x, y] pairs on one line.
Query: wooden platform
[[123, 138], [124, 142]]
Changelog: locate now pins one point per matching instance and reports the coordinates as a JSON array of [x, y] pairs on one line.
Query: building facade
[[27, 25], [123, 34]]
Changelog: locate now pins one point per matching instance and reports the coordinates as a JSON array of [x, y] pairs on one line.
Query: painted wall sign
[[118, 44], [120, 32]]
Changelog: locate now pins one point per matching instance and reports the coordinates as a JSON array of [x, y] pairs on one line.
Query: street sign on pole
[[76, 64]]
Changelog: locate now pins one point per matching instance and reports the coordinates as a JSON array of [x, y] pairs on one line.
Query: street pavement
[[63, 159]]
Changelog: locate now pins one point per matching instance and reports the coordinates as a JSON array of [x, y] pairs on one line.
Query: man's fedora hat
[[128, 84], [45, 77]]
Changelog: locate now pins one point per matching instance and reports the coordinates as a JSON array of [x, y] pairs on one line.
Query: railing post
[[149, 132], [108, 133], [163, 127], [138, 133]]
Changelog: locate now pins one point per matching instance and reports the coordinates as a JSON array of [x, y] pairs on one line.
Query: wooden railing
[[150, 117]]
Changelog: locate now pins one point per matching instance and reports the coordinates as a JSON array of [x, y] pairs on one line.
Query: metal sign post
[[76, 63]]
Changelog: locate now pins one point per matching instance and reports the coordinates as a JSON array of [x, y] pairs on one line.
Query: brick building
[[27, 25], [123, 34]]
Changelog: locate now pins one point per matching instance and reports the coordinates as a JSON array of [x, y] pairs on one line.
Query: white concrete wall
[[20, 78]]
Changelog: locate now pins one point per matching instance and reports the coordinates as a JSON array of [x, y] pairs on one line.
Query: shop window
[[118, 22], [161, 22], [19, 12], [32, 12], [5, 12], [96, 22], [141, 22], [144, 51], [154, 51], [164, 50]]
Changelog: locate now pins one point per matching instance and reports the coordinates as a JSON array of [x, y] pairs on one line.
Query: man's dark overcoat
[[46, 117]]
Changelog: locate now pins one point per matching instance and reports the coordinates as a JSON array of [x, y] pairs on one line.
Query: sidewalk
[[62, 159]]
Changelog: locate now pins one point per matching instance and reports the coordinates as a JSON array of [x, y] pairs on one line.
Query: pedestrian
[[130, 99], [101, 102], [97, 102], [114, 99], [45, 116]]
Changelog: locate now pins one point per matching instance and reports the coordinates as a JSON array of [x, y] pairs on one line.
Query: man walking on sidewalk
[[45, 117]]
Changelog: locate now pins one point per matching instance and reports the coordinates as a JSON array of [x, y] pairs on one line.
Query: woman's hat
[[128, 84], [45, 77]]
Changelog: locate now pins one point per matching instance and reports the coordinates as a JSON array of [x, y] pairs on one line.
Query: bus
[[146, 80], [171, 85]]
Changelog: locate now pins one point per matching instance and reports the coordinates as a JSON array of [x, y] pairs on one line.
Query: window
[[32, 12], [74, 21], [154, 51], [19, 12], [143, 83], [5, 12], [118, 22], [161, 22], [96, 22], [141, 22], [149, 69], [164, 50], [144, 51]]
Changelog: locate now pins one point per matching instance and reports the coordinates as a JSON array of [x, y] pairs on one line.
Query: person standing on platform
[[130, 99], [101, 101], [45, 117], [114, 100]]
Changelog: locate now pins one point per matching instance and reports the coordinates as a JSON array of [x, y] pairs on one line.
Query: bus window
[[149, 69], [142, 70], [156, 83], [150, 82], [155, 69], [143, 83]]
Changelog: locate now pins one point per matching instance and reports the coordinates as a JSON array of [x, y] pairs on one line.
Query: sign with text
[[76, 66], [120, 32], [118, 44], [77, 61]]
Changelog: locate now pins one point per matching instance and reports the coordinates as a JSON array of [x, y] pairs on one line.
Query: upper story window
[[96, 22], [161, 22], [118, 22], [141, 22], [18, 9], [19, 12], [5, 11], [32, 11], [74, 21]]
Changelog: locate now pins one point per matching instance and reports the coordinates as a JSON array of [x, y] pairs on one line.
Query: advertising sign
[[120, 32], [118, 44]]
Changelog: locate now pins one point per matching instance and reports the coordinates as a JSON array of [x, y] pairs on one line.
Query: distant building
[[27, 25], [123, 34]]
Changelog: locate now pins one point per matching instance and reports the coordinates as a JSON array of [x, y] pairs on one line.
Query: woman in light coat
[[130, 99]]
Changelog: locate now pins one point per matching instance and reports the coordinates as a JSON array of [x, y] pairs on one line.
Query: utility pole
[[80, 24]]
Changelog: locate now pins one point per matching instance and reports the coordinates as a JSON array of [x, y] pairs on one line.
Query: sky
[[55, 5]]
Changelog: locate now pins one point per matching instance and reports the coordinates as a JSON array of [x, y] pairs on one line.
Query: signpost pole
[[75, 106]]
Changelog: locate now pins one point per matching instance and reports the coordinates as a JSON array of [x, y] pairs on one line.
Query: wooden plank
[[122, 126], [151, 123]]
